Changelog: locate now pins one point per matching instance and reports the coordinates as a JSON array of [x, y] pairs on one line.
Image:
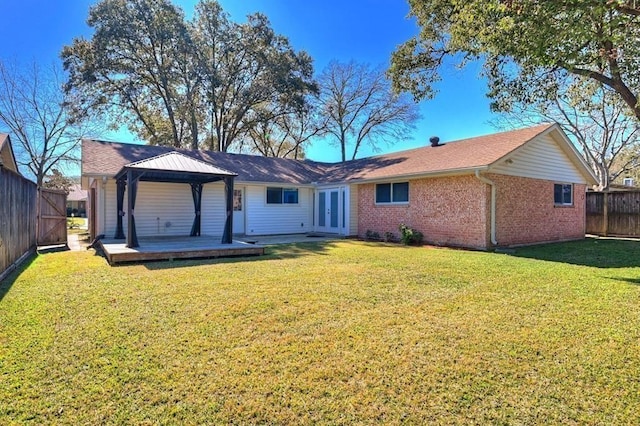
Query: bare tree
[[361, 108], [37, 113], [597, 121], [285, 134]]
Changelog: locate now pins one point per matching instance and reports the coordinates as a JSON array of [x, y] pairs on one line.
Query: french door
[[329, 210]]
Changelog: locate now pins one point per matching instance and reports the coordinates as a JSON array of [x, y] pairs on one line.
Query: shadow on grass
[[279, 251], [53, 249], [9, 280], [594, 252], [634, 281]]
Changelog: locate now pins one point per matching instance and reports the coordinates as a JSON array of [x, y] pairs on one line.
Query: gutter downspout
[[493, 205]]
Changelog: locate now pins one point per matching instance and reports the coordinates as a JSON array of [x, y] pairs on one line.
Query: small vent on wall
[[627, 181]]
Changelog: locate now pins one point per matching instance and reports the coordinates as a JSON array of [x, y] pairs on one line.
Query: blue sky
[[366, 31]]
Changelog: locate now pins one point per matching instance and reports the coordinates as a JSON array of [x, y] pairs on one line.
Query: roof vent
[[435, 141]]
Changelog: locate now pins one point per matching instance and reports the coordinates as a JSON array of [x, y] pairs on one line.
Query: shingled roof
[[76, 193], [467, 154], [107, 158]]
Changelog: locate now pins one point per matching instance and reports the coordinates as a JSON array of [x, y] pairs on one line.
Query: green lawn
[[339, 333], [76, 222]]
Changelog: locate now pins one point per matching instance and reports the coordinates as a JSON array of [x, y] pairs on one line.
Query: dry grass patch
[[344, 333]]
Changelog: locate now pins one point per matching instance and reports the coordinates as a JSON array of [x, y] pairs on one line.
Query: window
[[563, 194], [392, 193], [383, 193], [289, 195], [400, 192], [282, 195]]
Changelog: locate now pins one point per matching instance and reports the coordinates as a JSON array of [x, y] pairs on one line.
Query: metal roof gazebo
[[171, 167]]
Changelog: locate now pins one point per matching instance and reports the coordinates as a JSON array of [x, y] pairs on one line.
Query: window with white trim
[[392, 193], [563, 194], [276, 195]]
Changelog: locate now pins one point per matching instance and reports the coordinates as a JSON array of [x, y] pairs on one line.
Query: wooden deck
[[170, 248]]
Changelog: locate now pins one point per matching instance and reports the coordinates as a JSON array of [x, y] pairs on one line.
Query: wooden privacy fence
[[52, 228], [17, 219], [613, 213]]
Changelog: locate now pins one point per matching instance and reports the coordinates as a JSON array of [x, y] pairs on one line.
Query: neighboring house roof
[[76, 193], [7, 157], [479, 153]]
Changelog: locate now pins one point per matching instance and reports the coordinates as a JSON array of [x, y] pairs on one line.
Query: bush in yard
[[372, 235], [409, 236]]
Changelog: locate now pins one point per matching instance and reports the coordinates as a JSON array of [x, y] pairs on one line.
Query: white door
[[329, 211], [238, 211]]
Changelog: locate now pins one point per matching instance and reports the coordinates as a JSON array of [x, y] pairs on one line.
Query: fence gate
[[52, 222]]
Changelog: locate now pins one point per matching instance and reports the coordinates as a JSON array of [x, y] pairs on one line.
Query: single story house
[[77, 201], [512, 188]]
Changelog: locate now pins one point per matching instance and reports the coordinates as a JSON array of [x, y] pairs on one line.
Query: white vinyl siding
[[95, 183], [166, 209], [109, 210], [542, 158], [271, 219], [158, 203], [214, 209]]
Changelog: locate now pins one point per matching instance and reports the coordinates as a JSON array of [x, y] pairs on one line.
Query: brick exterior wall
[[526, 214], [451, 211], [455, 211]]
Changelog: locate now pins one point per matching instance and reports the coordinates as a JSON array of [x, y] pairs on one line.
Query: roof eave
[[419, 175], [123, 172]]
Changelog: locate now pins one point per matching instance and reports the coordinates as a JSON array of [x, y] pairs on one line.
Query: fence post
[[605, 211]]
